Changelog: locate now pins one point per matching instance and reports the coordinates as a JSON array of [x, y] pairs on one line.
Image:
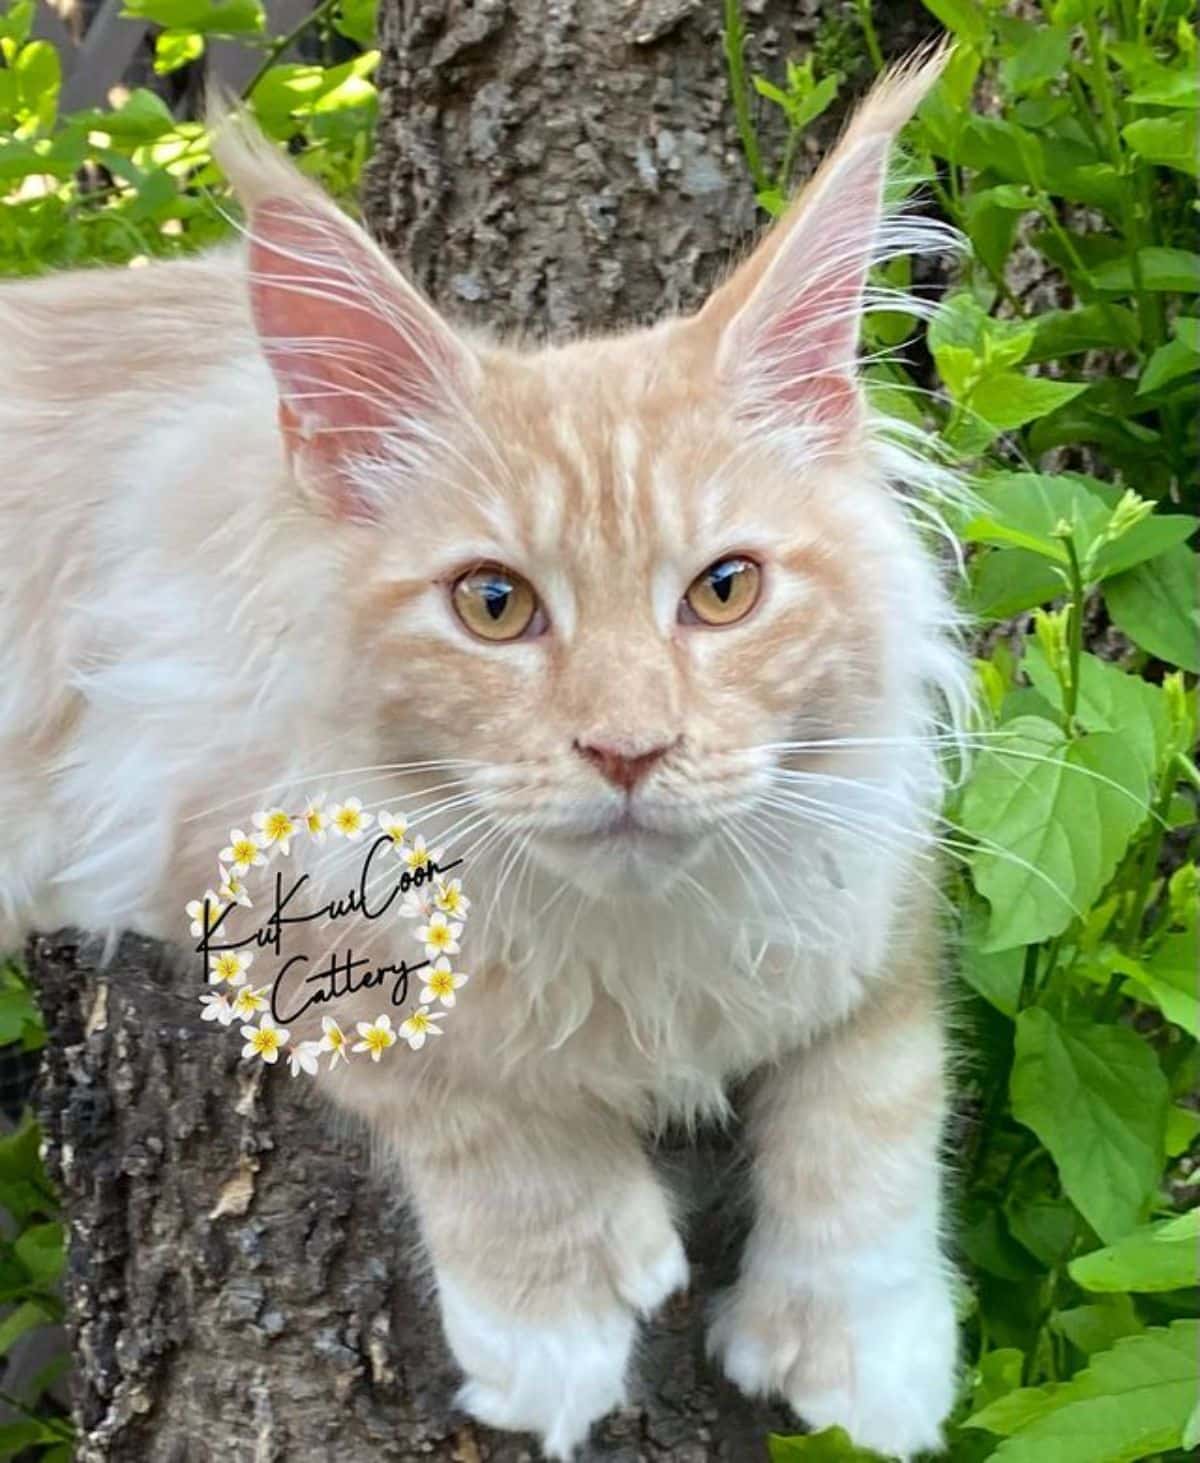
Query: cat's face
[[621, 606], [611, 577]]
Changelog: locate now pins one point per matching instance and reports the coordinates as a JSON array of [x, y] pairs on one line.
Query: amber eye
[[726, 592], [494, 603]]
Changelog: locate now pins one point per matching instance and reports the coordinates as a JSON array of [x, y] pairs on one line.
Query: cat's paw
[[881, 1364], [555, 1377]]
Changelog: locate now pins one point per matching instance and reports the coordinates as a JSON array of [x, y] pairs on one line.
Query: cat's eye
[[496, 604], [724, 593]]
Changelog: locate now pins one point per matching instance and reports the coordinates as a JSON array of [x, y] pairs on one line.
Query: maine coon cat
[[645, 629]]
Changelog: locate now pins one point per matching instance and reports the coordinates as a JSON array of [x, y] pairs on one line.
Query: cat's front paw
[[881, 1363], [556, 1376]]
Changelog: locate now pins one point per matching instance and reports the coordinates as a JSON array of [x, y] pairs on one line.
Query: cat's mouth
[[625, 828]]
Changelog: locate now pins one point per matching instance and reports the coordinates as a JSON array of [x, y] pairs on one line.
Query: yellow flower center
[[442, 983], [439, 936], [337, 1038], [265, 1041], [244, 852], [316, 821], [278, 825], [419, 1021], [227, 967], [348, 820], [378, 1039]]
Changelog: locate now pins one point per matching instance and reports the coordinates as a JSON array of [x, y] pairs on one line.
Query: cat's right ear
[[365, 367]]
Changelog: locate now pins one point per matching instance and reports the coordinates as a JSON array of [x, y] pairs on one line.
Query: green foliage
[[31, 1247], [1075, 831], [133, 181]]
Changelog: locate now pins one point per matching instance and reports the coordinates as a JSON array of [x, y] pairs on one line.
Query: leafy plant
[[31, 1249], [133, 181], [1066, 353]]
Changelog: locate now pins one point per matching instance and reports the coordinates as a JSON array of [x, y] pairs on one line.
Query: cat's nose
[[619, 765]]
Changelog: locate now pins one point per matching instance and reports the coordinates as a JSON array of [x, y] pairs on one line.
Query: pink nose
[[623, 769]]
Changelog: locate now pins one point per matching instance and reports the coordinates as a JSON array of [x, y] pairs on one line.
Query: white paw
[[555, 1378], [645, 1286], [879, 1363]]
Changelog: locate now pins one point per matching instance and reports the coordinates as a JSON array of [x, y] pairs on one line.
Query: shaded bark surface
[[240, 1286], [550, 166]]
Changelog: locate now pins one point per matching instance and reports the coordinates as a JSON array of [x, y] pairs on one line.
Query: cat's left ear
[[366, 369], [787, 322]]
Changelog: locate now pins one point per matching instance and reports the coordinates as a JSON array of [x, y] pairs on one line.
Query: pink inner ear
[[356, 353], [795, 340]]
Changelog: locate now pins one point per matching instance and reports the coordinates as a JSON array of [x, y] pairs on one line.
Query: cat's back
[[86, 339]]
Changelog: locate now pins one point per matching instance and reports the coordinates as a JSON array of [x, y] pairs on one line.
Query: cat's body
[[203, 608]]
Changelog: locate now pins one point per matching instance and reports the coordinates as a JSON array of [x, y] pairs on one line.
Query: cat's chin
[[621, 861]]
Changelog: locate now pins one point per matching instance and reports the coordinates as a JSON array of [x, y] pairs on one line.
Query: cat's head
[[615, 578]]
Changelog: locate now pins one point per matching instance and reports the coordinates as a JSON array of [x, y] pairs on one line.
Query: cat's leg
[[549, 1236], [844, 1305]]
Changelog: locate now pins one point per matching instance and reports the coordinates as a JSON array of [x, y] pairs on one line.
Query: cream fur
[[190, 615]]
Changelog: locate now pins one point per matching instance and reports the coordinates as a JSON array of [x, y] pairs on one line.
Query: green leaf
[[1010, 580], [1051, 820], [176, 48], [1097, 1099], [1145, 540], [1168, 141], [1168, 363], [1009, 400], [1131, 1402], [997, 1374], [17, 1011], [1163, 86], [1167, 979], [1183, 1128], [1059, 333], [355, 19], [1036, 503], [1158, 1257], [963, 17], [995, 975], [1097, 1326], [1033, 55], [1155, 605], [831, 1445], [1162, 269], [1109, 700], [26, 1317], [41, 1250], [208, 17]]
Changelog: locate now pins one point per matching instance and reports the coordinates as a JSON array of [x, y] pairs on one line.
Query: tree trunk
[[240, 1286]]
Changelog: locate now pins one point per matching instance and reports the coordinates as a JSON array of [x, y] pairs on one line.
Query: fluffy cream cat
[[644, 629]]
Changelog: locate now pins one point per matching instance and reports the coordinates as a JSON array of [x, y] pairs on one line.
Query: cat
[[649, 630]]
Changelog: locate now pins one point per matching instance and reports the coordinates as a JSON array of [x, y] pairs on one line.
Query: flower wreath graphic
[[439, 902]]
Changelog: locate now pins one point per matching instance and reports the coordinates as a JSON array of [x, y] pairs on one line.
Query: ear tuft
[[788, 320], [362, 361]]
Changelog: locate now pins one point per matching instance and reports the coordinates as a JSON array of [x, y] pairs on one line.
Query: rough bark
[[240, 1285], [550, 166]]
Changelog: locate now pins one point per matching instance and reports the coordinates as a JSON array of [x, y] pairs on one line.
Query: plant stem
[[735, 36], [284, 43], [867, 21], [1075, 643]]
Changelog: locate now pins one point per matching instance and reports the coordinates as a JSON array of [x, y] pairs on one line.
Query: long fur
[[233, 491]]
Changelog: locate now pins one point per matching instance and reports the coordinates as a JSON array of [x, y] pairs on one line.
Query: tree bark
[[240, 1285]]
